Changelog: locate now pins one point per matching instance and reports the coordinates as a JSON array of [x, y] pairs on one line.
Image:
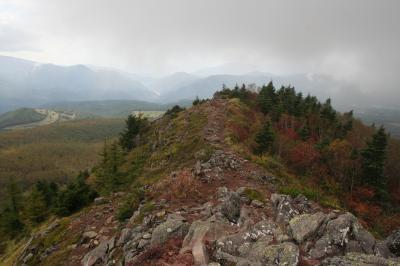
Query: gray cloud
[[355, 42]]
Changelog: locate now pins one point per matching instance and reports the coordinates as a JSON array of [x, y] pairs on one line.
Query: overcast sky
[[355, 41]]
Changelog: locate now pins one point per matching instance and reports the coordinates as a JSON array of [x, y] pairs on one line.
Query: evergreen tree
[[133, 126], [36, 206], [10, 220], [265, 139], [373, 160], [267, 98]]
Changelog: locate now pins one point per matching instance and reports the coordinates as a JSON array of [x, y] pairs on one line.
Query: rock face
[[175, 225], [306, 225], [393, 242]]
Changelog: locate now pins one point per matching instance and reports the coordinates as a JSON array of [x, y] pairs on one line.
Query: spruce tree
[[267, 98], [373, 160], [265, 139], [133, 126], [36, 206]]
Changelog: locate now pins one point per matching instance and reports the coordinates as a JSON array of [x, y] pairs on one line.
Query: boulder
[[364, 238], [230, 208], [174, 226], [240, 243], [286, 207], [335, 237], [306, 225], [99, 254], [199, 232], [393, 242], [281, 254]]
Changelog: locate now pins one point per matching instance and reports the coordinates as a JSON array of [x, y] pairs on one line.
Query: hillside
[[54, 152], [20, 116], [237, 180], [111, 108]]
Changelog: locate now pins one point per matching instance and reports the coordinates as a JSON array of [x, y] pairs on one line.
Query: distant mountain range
[[91, 90], [26, 83]]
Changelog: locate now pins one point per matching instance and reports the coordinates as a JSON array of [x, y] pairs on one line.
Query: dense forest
[[330, 153]]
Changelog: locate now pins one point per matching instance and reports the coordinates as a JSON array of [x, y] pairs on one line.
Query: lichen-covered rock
[[393, 242], [355, 259], [281, 254], [306, 225], [286, 208], [238, 244], [174, 226], [230, 208], [335, 237]]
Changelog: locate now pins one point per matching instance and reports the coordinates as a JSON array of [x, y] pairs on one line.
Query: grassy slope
[[20, 116], [53, 152]]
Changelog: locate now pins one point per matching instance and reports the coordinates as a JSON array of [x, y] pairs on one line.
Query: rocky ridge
[[238, 220]]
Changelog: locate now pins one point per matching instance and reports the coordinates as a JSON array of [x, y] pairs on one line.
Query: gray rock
[[364, 238], [381, 249], [306, 225], [230, 208], [237, 244], [284, 209], [222, 192], [146, 236], [89, 234], [257, 204], [393, 242], [335, 238], [126, 234], [352, 259], [142, 243], [173, 226], [100, 200], [281, 254], [99, 254]]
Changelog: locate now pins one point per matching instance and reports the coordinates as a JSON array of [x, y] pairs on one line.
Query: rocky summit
[[224, 210]]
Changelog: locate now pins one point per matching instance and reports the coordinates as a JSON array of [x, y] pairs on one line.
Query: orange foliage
[[181, 185], [303, 155]]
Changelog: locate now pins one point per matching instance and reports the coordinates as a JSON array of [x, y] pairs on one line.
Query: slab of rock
[[306, 225], [174, 226], [281, 254], [393, 242], [199, 232], [99, 254], [100, 200]]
